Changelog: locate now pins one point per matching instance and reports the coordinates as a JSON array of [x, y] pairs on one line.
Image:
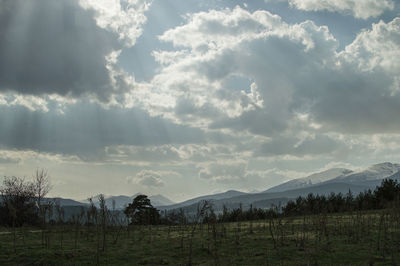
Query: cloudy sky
[[187, 97]]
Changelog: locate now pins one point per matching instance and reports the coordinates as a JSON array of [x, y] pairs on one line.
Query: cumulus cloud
[[360, 9], [150, 178], [125, 17], [294, 69], [361, 94], [227, 43], [377, 48]]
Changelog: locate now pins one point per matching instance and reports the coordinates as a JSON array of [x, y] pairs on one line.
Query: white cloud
[[150, 178], [220, 29], [13, 156], [295, 70], [218, 45], [378, 47], [358, 8], [31, 102], [125, 17]]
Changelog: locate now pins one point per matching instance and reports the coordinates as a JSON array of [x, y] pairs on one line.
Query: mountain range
[[337, 180], [372, 175]]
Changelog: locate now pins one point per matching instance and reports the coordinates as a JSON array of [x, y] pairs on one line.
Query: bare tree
[[42, 186], [104, 218], [41, 181]]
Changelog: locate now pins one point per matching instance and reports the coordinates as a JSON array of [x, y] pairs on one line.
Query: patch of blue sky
[[237, 83]]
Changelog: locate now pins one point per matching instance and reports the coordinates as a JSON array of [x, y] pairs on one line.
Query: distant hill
[[65, 202], [160, 200], [268, 199], [337, 180], [224, 195]]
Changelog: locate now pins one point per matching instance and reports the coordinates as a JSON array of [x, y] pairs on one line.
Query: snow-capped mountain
[[370, 176], [335, 180], [313, 179], [375, 172]]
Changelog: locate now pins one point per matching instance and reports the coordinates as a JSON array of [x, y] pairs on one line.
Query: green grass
[[339, 239]]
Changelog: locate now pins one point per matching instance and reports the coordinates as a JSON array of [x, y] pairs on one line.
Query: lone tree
[[42, 186], [140, 211]]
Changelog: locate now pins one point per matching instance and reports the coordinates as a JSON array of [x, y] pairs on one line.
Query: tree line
[[23, 203], [383, 196]]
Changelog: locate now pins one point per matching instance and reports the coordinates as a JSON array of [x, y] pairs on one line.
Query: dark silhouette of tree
[[17, 205], [384, 195], [42, 186], [23, 202], [388, 191], [140, 211]]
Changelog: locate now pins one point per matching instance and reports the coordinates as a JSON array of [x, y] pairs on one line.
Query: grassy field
[[359, 238]]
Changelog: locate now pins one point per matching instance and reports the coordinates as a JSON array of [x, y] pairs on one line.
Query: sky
[[185, 98]]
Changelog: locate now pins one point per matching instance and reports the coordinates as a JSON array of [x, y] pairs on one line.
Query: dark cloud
[[85, 129], [53, 47], [354, 102]]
